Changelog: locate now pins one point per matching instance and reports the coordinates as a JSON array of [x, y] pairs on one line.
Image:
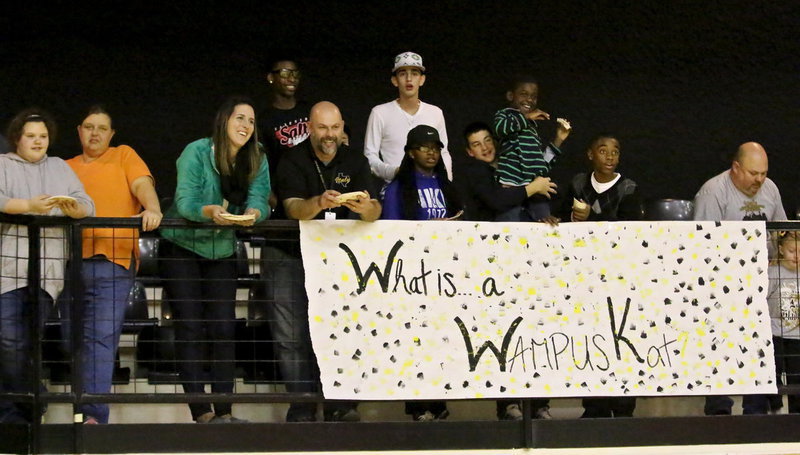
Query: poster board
[[446, 310]]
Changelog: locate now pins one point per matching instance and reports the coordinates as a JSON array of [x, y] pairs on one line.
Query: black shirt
[[281, 130], [483, 197], [302, 175], [621, 202]]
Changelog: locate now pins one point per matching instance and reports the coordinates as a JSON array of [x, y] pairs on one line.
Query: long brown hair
[[222, 146]]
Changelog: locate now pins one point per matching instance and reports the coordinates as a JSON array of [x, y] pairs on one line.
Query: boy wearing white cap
[[389, 123]]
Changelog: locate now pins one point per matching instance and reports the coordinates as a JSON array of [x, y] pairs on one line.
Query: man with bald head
[[308, 182], [322, 169], [740, 193]]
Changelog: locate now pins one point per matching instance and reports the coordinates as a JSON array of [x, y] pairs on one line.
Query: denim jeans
[[106, 287], [723, 405], [16, 359], [535, 208], [283, 276]]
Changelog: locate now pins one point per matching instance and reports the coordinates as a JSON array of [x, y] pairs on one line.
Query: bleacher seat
[[155, 355], [137, 313], [148, 260], [669, 210]]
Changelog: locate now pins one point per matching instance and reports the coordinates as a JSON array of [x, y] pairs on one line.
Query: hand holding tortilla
[[238, 218], [344, 197], [580, 210], [61, 199]]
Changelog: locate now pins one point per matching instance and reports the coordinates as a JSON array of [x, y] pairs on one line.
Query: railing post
[[34, 280], [527, 423], [73, 287]]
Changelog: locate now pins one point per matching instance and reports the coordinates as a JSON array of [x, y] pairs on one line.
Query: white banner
[[443, 310]]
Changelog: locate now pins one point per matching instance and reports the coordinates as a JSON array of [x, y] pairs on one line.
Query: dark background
[[682, 84]]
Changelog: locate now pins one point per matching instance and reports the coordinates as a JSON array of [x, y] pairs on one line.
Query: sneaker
[[513, 412], [206, 418], [302, 412], [344, 415], [227, 418], [543, 413], [428, 416], [302, 418]]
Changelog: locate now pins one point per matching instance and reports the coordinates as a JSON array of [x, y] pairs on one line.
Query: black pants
[[202, 294], [419, 407], [787, 360], [608, 407]]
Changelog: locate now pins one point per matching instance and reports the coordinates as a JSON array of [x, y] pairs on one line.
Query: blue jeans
[[16, 359], [106, 287], [535, 208], [723, 405], [283, 276]]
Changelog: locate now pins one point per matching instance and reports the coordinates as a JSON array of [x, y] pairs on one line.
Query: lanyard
[[321, 179]]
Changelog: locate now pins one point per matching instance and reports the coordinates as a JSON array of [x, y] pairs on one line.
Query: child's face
[[480, 145], [32, 145], [524, 98], [604, 155], [408, 81], [788, 254], [425, 157]]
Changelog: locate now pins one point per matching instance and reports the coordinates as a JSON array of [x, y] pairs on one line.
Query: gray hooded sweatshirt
[[21, 179]]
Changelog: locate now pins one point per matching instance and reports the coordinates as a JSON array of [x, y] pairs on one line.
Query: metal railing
[[152, 315]]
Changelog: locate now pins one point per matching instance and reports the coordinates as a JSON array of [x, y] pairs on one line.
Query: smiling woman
[[219, 176], [30, 178]]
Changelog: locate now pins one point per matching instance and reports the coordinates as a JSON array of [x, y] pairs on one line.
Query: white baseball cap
[[408, 59]]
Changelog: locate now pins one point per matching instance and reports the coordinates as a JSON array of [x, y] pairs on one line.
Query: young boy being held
[[523, 155], [483, 197]]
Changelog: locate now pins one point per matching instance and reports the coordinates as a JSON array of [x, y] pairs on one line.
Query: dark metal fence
[[55, 353]]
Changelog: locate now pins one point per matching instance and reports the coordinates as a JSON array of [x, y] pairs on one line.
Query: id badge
[[330, 215]]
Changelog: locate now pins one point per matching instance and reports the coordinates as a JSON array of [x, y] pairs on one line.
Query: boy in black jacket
[[603, 195], [484, 199]]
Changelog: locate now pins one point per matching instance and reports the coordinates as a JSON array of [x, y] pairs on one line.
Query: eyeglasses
[[424, 149], [286, 73]]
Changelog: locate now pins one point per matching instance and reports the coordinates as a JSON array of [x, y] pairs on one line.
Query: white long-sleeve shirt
[[387, 128]]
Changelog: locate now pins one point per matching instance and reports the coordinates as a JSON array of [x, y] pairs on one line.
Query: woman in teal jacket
[[218, 178]]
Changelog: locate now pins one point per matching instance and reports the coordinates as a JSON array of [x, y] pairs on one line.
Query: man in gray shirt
[[741, 193]]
